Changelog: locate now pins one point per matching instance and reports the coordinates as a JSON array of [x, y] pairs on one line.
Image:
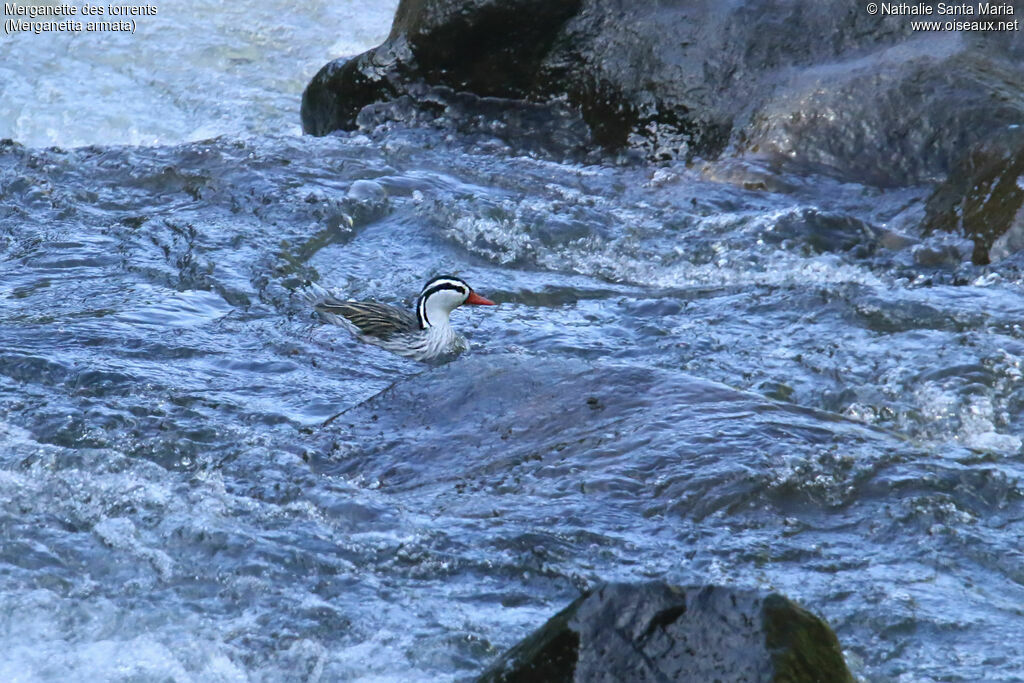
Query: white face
[[447, 299]]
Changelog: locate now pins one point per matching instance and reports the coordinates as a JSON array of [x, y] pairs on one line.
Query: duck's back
[[371, 319]]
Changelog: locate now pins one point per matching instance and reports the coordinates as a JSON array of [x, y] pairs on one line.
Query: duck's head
[[441, 296]]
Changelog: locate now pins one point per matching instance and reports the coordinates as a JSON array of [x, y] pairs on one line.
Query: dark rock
[[488, 47], [815, 85], [657, 632], [982, 197], [492, 48]]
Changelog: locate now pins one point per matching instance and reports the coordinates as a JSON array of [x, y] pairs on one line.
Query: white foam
[[978, 429]]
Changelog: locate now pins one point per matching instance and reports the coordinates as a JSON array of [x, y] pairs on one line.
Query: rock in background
[[803, 86], [982, 197]]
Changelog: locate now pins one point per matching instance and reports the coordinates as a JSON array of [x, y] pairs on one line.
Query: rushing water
[[197, 69], [705, 374]]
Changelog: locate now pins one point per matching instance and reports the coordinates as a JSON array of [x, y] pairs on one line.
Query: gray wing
[[372, 319]]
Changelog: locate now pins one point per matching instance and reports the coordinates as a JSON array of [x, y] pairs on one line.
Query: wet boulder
[[658, 632], [983, 196], [818, 85], [902, 114]]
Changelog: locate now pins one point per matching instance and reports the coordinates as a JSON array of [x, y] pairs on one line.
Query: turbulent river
[[704, 373]]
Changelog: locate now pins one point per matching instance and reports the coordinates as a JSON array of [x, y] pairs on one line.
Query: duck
[[425, 334]]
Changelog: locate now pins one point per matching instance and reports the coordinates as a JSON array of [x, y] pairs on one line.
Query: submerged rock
[[658, 632], [810, 85], [822, 231]]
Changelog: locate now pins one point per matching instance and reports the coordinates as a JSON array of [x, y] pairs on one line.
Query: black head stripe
[[441, 286], [421, 312], [450, 279]]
